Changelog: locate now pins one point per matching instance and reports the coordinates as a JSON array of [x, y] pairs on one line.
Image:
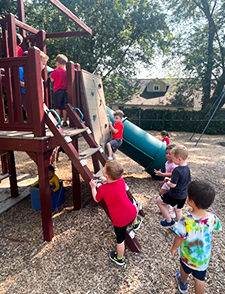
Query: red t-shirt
[[19, 51], [121, 210], [59, 77], [167, 140], [118, 126]]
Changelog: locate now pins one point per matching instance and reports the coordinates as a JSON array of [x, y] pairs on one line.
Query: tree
[[124, 32], [201, 43]]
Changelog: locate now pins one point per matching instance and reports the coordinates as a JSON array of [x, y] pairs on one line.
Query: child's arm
[[168, 181], [115, 131], [176, 243], [93, 184], [161, 174], [51, 79]]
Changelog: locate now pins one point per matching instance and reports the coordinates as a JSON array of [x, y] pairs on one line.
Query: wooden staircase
[[70, 147]]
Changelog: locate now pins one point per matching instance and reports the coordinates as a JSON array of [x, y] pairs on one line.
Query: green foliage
[[200, 43], [124, 33], [176, 120]]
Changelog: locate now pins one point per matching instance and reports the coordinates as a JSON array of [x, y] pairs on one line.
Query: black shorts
[[115, 144], [176, 203], [60, 99], [200, 275]]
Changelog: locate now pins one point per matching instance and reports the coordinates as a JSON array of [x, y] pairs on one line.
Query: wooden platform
[[29, 135]]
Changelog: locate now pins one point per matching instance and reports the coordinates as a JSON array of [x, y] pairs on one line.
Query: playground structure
[[41, 133]]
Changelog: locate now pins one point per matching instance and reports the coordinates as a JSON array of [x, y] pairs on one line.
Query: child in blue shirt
[[193, 236]]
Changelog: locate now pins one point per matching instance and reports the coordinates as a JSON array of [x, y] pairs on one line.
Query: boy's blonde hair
[[61, 59], [44, 57], [113, 169], [118, 113], [180, 151]]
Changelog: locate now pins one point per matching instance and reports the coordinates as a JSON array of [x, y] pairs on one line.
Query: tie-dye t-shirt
[[195, 249]]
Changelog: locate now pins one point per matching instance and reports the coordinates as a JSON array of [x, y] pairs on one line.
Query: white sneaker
[[110, 158]]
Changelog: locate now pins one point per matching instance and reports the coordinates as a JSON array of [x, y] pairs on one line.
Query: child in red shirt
[[117, 130], [120, 207], [165, 137], [58, 76]]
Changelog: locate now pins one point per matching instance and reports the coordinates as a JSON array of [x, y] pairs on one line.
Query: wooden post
[[71, 94], [12, 173], [41, 44], [10, 19], [76, 182], [45, 195], [21, 15], [35, 87]]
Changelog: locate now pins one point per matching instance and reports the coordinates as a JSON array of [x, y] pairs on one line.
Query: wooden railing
[[11, 112]]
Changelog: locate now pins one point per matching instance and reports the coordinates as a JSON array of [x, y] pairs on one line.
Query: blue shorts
[[199, 275], [115, 144], [60, 99]]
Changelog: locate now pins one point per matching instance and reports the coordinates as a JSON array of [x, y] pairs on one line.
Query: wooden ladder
[[78, 159]]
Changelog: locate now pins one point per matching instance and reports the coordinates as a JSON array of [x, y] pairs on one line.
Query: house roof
[[166, 100]]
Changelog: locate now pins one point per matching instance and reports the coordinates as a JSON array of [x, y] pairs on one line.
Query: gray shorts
[[115, 144]]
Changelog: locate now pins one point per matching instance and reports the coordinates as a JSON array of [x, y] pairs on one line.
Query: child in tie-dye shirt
[[193, 236]]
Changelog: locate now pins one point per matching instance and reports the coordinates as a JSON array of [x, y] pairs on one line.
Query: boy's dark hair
[[19, 39], [118, 112], [202, 193], [61, 59], [165, 133], [113, 169], [170, 146], [51, 168]]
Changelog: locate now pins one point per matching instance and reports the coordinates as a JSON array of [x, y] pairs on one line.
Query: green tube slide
[[142, 147]]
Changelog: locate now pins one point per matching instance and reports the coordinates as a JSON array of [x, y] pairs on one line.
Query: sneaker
[[110, 158], [172, 214], [65, 124], [136, 226], [114, 257], [165, 223], [182, 288]]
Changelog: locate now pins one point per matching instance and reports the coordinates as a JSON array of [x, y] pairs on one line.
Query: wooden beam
[[45, 195], [21, 15], [12, 172], [26, 27], [74, 18], [67, 34]]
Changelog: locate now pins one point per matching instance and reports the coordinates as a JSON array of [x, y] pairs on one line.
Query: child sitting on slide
[[120, 207], [169, 167]]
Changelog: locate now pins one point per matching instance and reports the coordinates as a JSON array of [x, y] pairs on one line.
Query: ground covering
[[76, 260]]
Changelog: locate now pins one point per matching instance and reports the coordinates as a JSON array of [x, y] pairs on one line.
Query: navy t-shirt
[[181, 177]]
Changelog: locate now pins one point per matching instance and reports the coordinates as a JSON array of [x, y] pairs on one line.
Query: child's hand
[[166, 179], [102, 179], [158, 172], [110, 124], [93, 183], [173, 252]]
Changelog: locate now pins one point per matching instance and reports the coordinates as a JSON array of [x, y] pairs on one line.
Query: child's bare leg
[[183, 276], [199, 286], [163, 207], [108, 145], [64, 115], [120, 249], [178, 214], [162, 191]]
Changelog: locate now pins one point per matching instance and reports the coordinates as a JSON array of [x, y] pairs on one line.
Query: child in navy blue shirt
[[178, 183]]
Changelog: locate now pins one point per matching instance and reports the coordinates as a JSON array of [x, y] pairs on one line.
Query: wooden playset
[[41, 132]]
